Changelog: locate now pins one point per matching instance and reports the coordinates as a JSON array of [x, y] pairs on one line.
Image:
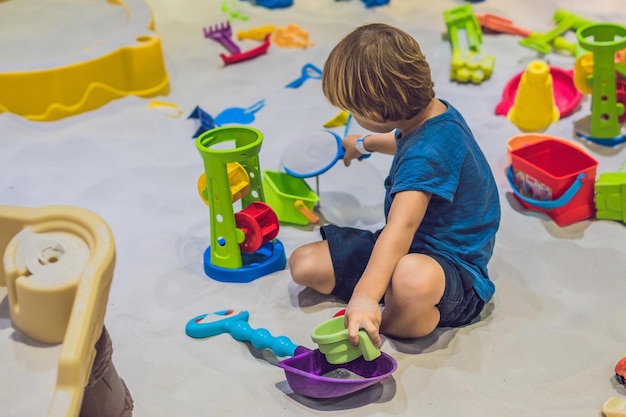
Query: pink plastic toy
[[620, 91], [222, 33], [249, 54]]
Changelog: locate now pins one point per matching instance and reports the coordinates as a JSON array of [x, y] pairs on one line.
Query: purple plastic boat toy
[[307, 371]]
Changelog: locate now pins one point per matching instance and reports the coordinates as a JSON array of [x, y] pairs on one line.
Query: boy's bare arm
[[405, 216], [381, 143]]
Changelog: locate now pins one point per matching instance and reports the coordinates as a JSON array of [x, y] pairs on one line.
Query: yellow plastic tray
[[127, 61]]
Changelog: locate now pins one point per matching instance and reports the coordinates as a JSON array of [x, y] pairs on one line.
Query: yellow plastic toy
[[172, 110], [238, 179], [340, 119], [109, 72], [57, 268], [470, 64], [291, 36], [583, 69], [614, 407], [534, 109], [256, 34]]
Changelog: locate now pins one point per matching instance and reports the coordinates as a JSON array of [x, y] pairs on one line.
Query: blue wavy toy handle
[[308, 71], [236, 324], [548, 204]]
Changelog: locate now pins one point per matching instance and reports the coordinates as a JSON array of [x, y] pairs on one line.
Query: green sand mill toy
[[243, 244]]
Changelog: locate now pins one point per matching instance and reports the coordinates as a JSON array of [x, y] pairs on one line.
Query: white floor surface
[[546, 344]]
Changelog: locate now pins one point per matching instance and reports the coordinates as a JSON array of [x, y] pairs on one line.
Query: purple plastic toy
[[307, 371], [310, 374], [222, 33]]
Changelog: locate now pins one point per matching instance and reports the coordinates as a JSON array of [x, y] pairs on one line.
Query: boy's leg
[[311, 266], [334, 265], [417, 286]]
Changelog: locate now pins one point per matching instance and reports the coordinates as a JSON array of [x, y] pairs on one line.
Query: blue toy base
[[269, 258], [374, 3], [609, 142], [582, 129]]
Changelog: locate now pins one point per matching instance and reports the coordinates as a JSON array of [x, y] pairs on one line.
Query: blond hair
[[378, 72]]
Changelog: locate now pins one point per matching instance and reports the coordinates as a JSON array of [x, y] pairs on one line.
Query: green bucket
[[291, 198], [332, 340]]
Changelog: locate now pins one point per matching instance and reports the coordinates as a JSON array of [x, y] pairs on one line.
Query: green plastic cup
[[332, 339]]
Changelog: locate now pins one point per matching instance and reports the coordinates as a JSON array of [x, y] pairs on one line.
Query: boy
[[428, 264]]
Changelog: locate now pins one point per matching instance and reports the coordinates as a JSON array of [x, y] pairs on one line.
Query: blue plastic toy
[[239, 115], [308, 71], [375, 3], [327, 148], [206, 121], [236, 324], [272, 4], [307, 371], [245, 115]]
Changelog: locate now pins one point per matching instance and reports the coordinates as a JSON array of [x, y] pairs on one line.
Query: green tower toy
[[603, 40], [223, 260]]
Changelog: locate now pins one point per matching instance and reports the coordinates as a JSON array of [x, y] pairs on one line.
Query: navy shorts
[[350, 250]]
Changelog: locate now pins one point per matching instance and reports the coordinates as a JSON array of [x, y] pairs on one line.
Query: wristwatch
[[360, 146]]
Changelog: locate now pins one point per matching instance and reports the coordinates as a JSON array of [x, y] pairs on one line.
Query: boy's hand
[[351, 153], [363, 313]]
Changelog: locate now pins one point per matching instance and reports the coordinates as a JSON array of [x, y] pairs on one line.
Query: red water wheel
[[259, 224]]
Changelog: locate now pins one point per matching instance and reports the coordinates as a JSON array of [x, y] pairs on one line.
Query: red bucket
[[554, 177]]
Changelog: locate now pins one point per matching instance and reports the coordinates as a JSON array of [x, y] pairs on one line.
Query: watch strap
[[360, 146]]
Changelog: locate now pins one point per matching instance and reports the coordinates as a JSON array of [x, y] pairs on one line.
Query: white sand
[[547, 342]]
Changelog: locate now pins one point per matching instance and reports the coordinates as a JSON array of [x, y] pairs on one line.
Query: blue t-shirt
[[443, 158]]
